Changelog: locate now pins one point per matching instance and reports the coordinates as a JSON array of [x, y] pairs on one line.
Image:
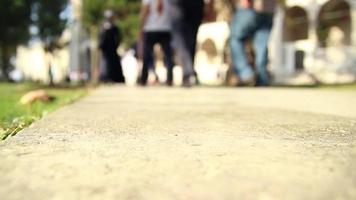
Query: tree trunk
[[94, 55], [49, 58], [5, 62]]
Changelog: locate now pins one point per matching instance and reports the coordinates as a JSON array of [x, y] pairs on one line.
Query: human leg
[[190, 31], [115, 69], [242, 28], [165, 42], [260, 44], [239, 59], [147, 56], [182, 50]]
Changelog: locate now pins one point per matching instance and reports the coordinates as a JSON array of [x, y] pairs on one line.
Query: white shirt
[[157, 21]]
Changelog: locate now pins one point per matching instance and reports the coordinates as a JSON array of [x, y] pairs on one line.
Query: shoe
[[250, 82], [142, 83], [187, 81], [169, 83]]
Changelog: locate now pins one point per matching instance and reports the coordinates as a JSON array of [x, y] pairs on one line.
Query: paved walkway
[[202, 143]]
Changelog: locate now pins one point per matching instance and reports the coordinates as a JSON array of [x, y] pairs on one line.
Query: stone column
[[276, 45], [353, 32], [313, 10], [353, 21], [75, 64]]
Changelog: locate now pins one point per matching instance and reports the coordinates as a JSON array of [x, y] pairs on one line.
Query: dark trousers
[[164, 40], [113, 69], [193, 12], [260, 44], [190, 32]]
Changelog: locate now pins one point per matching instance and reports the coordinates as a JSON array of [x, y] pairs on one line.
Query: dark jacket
[[193, 10], [110, 38]]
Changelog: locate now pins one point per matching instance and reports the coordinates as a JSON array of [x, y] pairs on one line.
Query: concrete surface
[[202, 143]]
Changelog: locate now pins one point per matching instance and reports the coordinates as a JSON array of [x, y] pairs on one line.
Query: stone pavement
[[202, 143]]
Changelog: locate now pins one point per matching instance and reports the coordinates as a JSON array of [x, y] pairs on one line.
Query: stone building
[[34, 64], [312, 41]]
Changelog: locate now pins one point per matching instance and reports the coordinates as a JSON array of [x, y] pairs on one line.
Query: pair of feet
[[190, 80], [252, 82], [144, 83]]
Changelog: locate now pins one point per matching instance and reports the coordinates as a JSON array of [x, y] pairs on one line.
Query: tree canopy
[[49, 21], [126, 10], [15, 19], [17, 16]]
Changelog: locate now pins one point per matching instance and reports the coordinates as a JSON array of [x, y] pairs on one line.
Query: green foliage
[[93, 12], [15, 17], [129, 21], [281, 2], [48, 20], [50, 23], [126, 10]]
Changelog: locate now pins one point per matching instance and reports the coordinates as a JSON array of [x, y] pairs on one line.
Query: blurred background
[[53, 42]]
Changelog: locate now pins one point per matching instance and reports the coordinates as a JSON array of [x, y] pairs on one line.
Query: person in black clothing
[[110, 39], [155, 28], [193, 13]]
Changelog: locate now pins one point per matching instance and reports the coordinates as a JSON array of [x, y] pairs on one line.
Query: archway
[[334, 23], [296, 24]]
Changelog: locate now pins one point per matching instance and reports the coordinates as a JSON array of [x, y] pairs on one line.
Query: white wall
[[33, 63]]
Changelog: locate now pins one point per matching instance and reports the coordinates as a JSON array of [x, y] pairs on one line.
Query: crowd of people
[[174, 24]]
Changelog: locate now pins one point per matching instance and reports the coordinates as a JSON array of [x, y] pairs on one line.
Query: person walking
[[265, 10], [192, 17], [155, 28], [109, 41], [243, 27], [180, 43]]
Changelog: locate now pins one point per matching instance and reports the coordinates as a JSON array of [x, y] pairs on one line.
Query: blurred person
[[137, 49], [109, 41], [192, 17], [265, 10], [243, 27], [180, 42], [155, 28]]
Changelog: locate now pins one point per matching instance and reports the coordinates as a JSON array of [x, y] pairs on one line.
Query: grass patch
[[347, 87], [351, 86], [14, 116]]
